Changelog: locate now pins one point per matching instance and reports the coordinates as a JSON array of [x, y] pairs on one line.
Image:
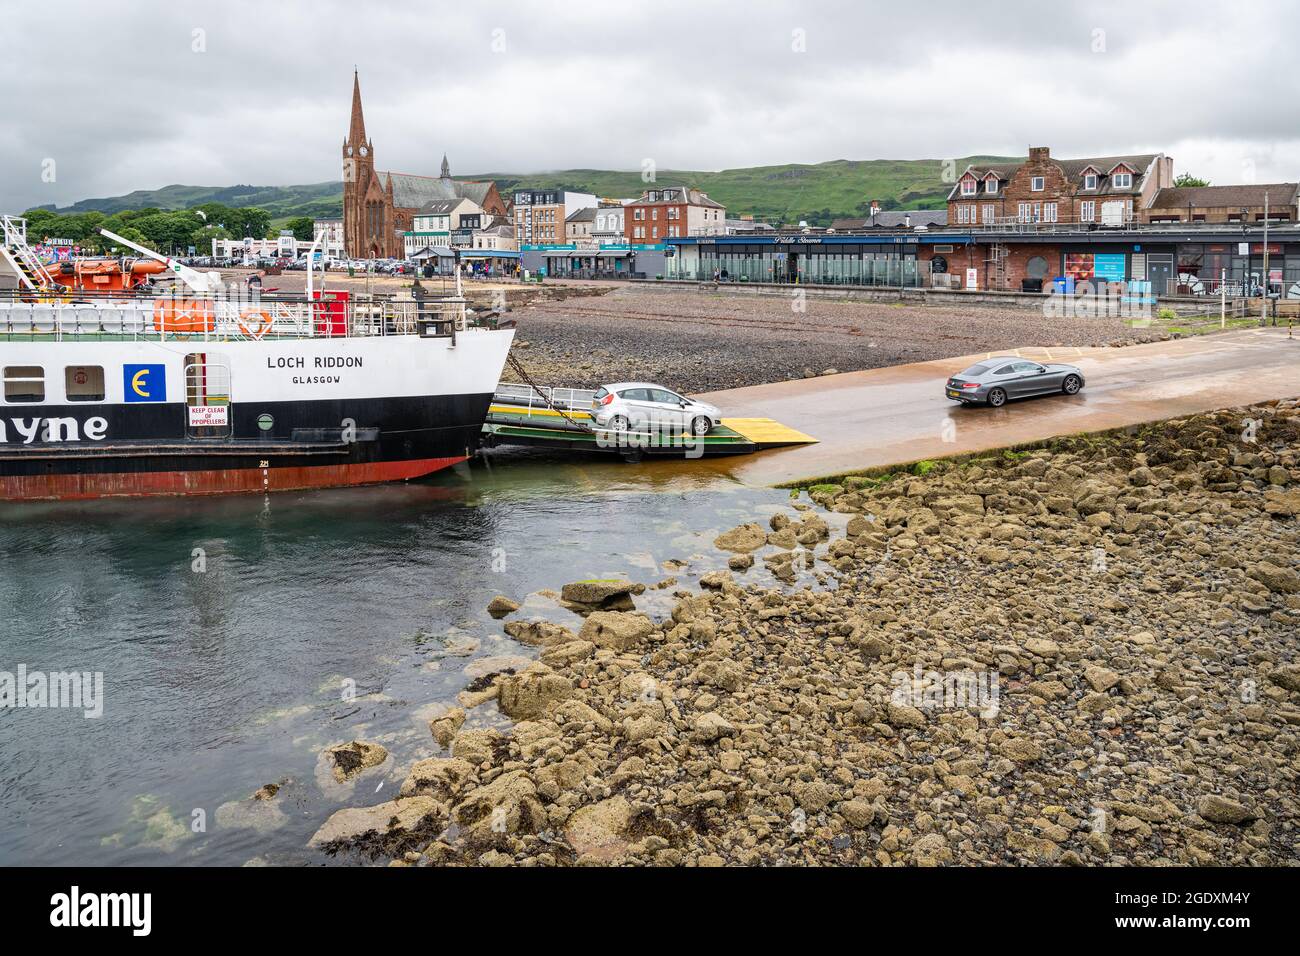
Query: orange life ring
[[262, 328]]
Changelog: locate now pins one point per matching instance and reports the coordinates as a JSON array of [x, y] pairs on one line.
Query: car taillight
[[970, 385], [607, 399]]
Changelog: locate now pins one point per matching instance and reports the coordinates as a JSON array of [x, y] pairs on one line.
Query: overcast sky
[[217, 94]]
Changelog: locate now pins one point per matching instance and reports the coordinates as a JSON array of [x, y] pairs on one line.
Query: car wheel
[[997, 398], [618, 423], [701, 426], [1071, 385]]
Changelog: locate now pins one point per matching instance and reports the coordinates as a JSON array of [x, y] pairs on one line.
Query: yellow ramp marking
[[535, 412], [766, 431]]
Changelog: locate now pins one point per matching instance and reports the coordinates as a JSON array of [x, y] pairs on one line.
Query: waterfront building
[[331, 231], [1226, 204], [607, 228], [578, 225], [1108, 190], [670, 212], [540, 214], [442, 223]]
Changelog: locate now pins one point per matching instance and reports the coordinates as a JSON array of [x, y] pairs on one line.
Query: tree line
[[170, 232]]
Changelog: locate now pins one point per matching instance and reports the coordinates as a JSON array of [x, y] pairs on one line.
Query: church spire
[[446, 167], [357, 128]]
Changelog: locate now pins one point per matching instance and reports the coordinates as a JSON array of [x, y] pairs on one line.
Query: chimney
[[1039, 154], [907, 221], [875, 206]]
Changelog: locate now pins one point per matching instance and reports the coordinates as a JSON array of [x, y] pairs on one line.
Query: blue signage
[[144, 383], [1108, 267]]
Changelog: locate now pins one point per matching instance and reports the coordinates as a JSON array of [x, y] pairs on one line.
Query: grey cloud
[[121, 101]]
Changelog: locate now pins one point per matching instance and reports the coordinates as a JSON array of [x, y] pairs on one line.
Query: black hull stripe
[[143, 438]]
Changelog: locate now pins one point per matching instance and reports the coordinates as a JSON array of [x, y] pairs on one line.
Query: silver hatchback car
[[998, 379], [636, 406]]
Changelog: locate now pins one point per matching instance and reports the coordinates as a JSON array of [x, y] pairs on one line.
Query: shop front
[[804, 260]]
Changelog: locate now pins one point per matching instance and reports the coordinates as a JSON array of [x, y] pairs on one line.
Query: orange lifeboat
[[104, 275]]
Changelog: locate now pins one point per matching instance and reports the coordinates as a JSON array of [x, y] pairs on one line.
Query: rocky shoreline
[[1078, 654]]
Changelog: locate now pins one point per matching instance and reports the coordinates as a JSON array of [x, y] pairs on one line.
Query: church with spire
[[380, 205]]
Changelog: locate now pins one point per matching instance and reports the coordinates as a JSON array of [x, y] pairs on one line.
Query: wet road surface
[[899, 414]]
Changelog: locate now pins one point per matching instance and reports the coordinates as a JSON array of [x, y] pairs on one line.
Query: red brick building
[[1110, 190], [378, 206], [672, 212]]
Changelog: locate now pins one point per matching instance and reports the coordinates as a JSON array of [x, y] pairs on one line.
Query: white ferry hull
[[289, 414]]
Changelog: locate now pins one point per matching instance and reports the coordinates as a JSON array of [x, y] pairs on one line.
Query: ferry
[[203, 389]]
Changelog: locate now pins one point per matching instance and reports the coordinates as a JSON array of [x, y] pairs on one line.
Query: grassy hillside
[[316, 199], [777, 194]]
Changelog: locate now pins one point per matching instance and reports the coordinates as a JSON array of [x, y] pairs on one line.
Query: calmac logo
[[144, 383]]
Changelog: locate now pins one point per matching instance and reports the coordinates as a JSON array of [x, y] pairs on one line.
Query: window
[[635, 395], [968, 187], [1049, 212], [991, 184], [1090, 181], [1122, 180], [1037, 184], [654, 213], [84, 383], [1088, 210], [1006, 369], [988, 213], [24, 384], [639, 215]]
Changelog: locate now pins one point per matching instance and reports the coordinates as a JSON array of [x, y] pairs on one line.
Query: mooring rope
[[545, 395]]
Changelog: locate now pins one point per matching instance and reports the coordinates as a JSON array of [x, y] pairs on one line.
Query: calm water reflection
[[228, 629]]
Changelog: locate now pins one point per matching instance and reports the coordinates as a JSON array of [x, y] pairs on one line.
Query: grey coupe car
[[998, 379]]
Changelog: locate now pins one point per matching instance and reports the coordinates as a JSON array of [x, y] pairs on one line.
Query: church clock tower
[[358, 173]]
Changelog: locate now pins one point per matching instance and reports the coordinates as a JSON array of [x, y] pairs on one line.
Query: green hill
[[816, 193], [317, 199], [777, 194]]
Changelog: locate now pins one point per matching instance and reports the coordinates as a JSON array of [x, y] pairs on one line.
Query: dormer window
[[968, 186], [1122, 180], [991, 184], [1090, 181], [1037, 184]]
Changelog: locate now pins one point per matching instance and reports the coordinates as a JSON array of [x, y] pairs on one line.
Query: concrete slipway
[[899, 414]]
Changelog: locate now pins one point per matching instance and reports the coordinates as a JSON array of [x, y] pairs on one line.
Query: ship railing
[[84, 315], [530, 397]]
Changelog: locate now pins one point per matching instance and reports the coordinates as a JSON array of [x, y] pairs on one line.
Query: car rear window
[[601, 393], [976, 370]]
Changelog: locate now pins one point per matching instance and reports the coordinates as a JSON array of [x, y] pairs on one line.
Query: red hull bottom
[[216, 482]]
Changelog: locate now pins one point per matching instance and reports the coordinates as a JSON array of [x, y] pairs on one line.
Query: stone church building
[[379, 205]]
